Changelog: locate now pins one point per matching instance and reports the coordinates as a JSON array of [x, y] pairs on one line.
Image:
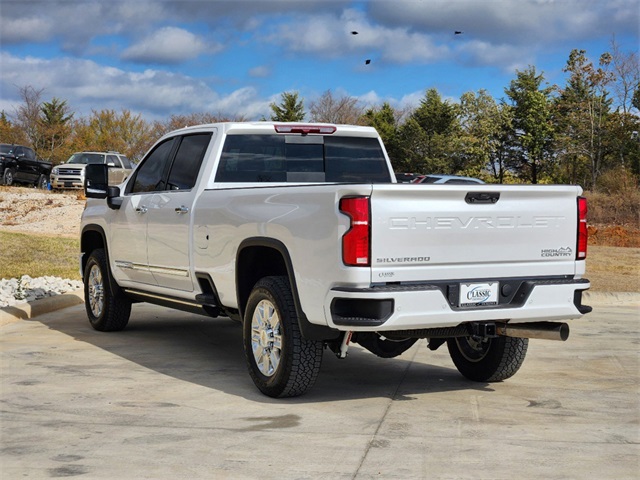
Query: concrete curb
[[25, 311]]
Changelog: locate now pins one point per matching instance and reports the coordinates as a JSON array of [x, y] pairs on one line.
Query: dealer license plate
[[479, 294]]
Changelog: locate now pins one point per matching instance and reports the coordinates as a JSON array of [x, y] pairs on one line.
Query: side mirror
[[96, 180], [96, 185]]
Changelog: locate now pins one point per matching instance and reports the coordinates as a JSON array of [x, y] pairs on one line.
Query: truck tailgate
[[441, 232]]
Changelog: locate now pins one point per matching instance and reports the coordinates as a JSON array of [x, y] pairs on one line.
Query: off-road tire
[[281, 362], [488, 360], [108, 310], [42, 183], [9, 177]]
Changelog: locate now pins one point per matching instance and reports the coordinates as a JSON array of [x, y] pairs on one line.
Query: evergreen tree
[[290, 109], [437, 142], [385, 121], [487, 137], [532, 123], [55, 124]]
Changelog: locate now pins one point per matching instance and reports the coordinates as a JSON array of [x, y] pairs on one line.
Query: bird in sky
[[367, 61], [458, 32]]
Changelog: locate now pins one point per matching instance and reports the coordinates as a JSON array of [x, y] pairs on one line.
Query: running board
[[201, 306]]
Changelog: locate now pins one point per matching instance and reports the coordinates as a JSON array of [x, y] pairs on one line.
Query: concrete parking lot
[[170, 398]]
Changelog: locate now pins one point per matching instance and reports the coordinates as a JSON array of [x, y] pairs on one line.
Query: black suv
[[19, 164]]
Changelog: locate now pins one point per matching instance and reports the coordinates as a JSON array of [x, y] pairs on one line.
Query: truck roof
[[271, 127]]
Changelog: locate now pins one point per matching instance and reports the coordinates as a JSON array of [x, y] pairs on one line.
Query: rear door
[[441, 232], [169, 215], [27, 165]]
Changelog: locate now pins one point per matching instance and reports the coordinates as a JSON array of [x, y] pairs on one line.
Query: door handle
[[182, 209], [141, 209]]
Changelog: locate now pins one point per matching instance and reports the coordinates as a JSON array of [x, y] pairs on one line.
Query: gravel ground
[[27, 210], [15, 291]]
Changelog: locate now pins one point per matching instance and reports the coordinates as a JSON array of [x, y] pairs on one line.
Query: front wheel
[[487, 359], [8, 177], [281, 362], [108, 310], [42, 183]]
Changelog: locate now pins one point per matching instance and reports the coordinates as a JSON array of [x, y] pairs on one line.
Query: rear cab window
[[256, 158]]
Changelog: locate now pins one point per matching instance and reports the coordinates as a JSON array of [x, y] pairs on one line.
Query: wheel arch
[[260, 257], [92, 238]]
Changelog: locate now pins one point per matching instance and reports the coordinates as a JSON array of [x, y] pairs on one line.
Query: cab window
[[186, 165], [149, 177]]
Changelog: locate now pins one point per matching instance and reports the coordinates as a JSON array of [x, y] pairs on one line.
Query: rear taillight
[[355, 243], [583, 234]]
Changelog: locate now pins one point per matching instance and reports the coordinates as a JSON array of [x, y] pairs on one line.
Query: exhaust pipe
[[541, 330]]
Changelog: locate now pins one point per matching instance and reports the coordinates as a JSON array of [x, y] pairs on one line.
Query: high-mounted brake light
[[583, 234], [355, 243], [305, 129]]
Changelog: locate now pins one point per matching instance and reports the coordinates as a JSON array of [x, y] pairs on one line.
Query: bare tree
[[180, 121], [626, 70], [27, 115], [340, 110]]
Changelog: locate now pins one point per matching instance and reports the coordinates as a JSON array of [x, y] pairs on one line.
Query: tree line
[[584, 132]]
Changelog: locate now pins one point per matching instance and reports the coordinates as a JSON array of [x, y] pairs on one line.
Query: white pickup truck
[[300, 232]]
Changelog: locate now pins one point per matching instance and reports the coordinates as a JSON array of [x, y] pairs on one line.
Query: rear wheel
[[487, 359], [108, 310], [282, 363]]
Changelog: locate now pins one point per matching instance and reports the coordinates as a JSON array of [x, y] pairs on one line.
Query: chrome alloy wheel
[[96, 291], [266, 338]]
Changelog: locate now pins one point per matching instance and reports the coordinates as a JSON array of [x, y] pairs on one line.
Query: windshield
[[6, 148], [84, 158]]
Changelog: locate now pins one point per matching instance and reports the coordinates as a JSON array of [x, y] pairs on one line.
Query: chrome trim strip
[[178, 272], [131, 265]]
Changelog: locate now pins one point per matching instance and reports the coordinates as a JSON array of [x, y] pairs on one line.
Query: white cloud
[[331, 37], [509, 57], [25, 29], [169, 45], [261, 71], [512, 21], [154, 93]]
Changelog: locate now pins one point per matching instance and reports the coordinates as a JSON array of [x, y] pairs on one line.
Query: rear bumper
[[419, 306]]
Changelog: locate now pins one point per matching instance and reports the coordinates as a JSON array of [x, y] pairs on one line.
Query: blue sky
[[159, 58]]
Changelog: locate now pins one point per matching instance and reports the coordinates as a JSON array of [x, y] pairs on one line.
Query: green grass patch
[[38, 256]]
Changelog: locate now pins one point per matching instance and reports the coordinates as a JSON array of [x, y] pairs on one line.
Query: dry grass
[[38, 256], [613, 269], [614, 218]]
